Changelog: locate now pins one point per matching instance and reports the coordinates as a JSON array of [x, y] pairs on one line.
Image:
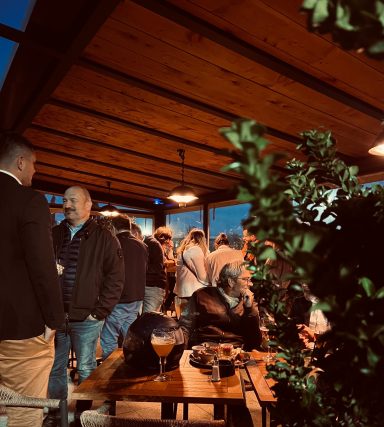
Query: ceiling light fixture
[[378, 145], [109, 210], [182, 194]]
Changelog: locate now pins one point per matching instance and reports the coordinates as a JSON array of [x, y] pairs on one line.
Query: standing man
[[92, 280], [135, 254], [30, 297], [223, 254], [156, 277]]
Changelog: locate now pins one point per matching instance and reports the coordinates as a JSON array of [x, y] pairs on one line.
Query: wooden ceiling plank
[[123, 150], [92, 130], [194, 77], [89, 161], [76, 177], [92, 164], [181, 38], [105, 178], [149, 87], [265, 25], [239, 46]]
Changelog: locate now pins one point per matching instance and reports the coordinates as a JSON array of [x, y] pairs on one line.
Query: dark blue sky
[[15, 14]]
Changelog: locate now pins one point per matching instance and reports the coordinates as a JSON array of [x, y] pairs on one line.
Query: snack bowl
[[206, 356], [197, 350]]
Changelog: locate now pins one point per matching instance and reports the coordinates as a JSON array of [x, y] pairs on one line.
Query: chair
[[9, 397], [97, 418]]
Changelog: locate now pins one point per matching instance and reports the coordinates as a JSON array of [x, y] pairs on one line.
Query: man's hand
[[248, 297], [49, 334]]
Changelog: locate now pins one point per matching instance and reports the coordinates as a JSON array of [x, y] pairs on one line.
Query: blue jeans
[[118, 322], [153, 298], [83, 336]]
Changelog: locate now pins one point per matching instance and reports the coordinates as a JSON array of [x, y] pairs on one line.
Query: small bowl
[[197, 350], [206, 356]]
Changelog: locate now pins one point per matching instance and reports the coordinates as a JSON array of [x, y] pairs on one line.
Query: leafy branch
[[326, 228]]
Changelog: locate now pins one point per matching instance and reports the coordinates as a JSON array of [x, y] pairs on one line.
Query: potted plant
[[330, 231]]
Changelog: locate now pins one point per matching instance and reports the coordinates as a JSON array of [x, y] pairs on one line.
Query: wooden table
[[262, 386], [114, 380]]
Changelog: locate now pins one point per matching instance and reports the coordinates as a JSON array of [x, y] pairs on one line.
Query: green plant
[[355, 24], [332, 245]]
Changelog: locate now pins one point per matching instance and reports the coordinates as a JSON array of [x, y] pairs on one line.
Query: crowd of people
[[68, 287]]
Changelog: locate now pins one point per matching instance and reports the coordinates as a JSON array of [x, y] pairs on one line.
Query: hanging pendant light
[[182, 194], [109, 210], [378, 145]]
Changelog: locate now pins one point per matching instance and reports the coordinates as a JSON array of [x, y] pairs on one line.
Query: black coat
[[208, 317], [30, 296], [99, 271], [135, 254]]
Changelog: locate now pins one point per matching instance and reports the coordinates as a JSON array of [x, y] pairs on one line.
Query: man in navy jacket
[[30, 297]]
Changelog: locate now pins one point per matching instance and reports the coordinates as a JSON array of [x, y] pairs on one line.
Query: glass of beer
[[163, 340]]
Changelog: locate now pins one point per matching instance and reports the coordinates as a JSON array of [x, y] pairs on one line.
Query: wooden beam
[[174, 96], [231, 42], [115, 167], [86, 30]]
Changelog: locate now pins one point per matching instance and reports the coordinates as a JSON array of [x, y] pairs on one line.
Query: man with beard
[[92, 278]]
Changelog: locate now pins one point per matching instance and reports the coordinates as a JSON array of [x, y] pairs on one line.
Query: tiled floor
[[152, 410]]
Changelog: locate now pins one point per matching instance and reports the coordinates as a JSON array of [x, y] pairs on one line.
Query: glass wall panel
[[146, 225], [181, 222], [227, 219]]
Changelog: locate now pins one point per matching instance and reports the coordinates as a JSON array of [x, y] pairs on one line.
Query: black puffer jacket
[[99, 276], [208, 317]]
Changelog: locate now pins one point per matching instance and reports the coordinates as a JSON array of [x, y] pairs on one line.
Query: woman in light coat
[[191, 272]]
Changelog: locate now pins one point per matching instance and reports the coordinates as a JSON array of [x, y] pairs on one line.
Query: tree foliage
[[332, 245], [354, 24]]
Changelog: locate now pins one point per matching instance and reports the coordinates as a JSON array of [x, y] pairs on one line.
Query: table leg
[[168, 410], [185, 411], [263, 416], [218, 412], [112, 407]]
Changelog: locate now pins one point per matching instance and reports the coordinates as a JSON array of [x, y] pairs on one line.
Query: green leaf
[[309, 4], [343, 17], [376, 48], [323, 306], [367, 285], [380, 293], [320, 12]]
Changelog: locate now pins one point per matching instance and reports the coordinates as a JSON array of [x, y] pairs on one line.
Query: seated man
[[226, 313]]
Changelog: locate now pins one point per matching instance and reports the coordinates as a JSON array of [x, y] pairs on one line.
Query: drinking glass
[[163, 340], [264, 328]]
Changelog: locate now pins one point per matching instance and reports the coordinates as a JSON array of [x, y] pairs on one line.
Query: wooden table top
[[262, 386], [115, 380]]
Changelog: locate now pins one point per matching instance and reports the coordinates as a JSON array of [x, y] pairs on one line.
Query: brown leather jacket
[[208, 317]]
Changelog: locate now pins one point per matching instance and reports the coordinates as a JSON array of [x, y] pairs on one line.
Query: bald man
[[92, 277]]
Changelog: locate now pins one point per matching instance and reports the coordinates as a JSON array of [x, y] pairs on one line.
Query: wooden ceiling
[[108, 90]]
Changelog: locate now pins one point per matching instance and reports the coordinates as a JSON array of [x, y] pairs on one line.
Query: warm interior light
[[378, 145], [109, 210], [182, 194]]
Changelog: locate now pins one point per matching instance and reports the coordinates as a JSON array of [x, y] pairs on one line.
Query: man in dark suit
[[30, 298]]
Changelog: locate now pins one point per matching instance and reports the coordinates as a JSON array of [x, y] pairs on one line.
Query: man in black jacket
[[135, 254], [156, 276], [30, 297], [92, 277]]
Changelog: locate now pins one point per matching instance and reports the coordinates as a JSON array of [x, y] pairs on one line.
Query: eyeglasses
[[245, 279]]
